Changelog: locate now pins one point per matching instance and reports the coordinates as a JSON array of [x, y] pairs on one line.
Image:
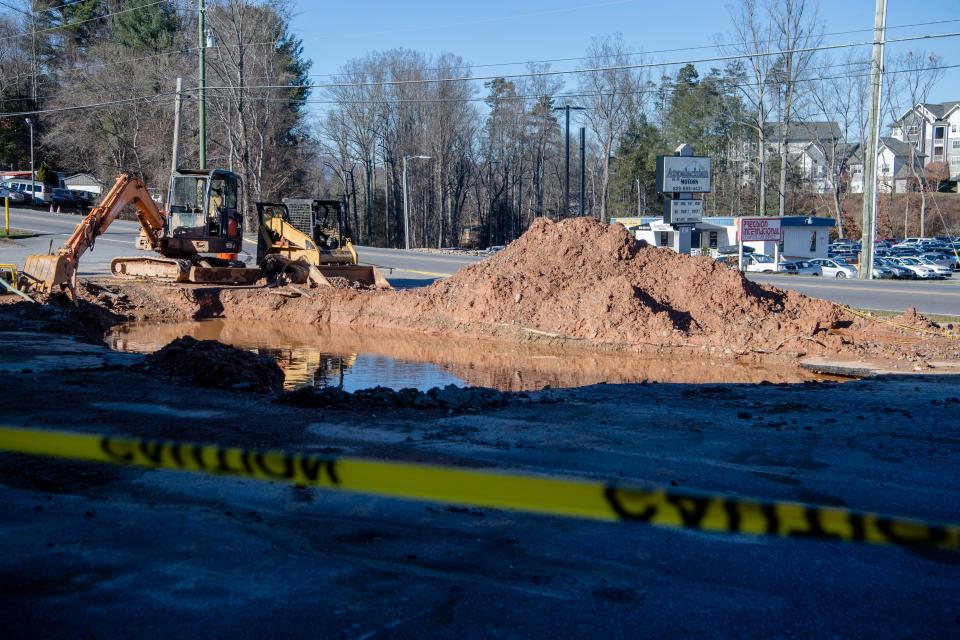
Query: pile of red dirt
[[208, 363], [578, 281], [584, 279]]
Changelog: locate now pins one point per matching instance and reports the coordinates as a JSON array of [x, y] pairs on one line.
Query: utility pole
[[175, 156], [566, 154], [406, 198], [583, 172], [637, 180], [202, 94], [873, 132]]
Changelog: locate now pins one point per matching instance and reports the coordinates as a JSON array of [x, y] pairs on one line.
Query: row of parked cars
[[27, 193], [916, 267]]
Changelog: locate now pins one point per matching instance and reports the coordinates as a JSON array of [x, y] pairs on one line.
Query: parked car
[[64, 198], [941, 270], [762, 263], [36, 191], [807, 268], [835, 267], [898, 271], [13, 195], [905, 250], [881, 272], [917, 268], [86, 198], [944, 259]]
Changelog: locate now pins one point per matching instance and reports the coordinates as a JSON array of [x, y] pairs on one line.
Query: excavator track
[[181, 270]]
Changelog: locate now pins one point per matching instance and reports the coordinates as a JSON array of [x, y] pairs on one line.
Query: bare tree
[[796, 29], [915, 73], [612, 101], [750, 37]]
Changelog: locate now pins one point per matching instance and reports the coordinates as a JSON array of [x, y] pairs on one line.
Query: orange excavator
[[204, 218]]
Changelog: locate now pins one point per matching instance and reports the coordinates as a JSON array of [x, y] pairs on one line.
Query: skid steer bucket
[[364, 274]]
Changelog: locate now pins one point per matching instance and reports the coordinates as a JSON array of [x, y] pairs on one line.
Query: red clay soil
[[578, 281]]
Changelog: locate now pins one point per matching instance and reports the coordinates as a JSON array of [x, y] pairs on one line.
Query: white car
[[762, 263], [807, 268], [942, 271], [835, 268], [917, 268]]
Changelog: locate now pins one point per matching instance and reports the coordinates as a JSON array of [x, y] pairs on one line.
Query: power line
[[624, 67], [675, 50], [167, 95]]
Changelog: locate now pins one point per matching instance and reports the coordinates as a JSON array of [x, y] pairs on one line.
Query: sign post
[[759, 230], [678, 178]]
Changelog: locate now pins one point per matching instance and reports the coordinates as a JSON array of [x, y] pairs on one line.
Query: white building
[[894, 161], [802, 237], [84, 182], [933, 129]]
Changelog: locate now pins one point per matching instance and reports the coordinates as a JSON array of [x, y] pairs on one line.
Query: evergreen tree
[[144, 25]]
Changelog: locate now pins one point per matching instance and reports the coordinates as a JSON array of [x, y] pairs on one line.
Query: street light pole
[[33, 175], [566, 154], [638, 196], [406, 209], [583, 170]]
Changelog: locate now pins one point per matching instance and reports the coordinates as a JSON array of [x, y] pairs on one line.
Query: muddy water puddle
[[351, 359]]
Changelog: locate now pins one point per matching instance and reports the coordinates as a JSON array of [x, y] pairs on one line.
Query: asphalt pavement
[[414, 268]]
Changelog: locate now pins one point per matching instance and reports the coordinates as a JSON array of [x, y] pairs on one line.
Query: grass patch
[[932, 317], [14, 234]]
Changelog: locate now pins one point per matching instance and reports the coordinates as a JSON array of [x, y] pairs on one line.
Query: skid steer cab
[[297, 244]]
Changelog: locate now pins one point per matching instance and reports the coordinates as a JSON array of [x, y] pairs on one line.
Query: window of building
[[664, 239], [939, 133], [954, 159], [953, 128], [913, 130], [713, 240], [956, 144], [884, 168], [938, 152], [813, 242]]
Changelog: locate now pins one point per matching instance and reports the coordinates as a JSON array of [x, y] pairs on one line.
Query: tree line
[[484, 155]]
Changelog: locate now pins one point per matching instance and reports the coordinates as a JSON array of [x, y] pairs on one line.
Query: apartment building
[[933, 129]]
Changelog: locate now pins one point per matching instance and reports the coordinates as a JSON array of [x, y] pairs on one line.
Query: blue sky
[[497, 31]]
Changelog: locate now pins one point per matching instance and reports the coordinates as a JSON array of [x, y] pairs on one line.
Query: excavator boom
[[47, 272]]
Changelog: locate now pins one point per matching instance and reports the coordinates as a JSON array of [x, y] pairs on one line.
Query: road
[[413, 268]]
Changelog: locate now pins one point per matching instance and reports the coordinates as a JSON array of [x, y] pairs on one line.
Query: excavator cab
[[204, 214]]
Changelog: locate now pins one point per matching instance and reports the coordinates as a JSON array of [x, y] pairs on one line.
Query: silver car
[[835, 268], [898, 271], [807, 268], [941, 270], [917, 268]]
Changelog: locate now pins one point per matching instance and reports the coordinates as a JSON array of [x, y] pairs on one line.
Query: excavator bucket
[[47, 272]]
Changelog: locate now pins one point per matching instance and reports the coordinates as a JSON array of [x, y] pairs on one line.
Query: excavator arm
[[46, 272]]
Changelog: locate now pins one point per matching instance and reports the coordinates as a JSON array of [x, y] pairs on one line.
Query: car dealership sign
[[683, 174], [683, 211], [759, 229]]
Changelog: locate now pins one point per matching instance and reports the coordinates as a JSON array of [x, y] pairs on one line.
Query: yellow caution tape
[[545, 495]]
